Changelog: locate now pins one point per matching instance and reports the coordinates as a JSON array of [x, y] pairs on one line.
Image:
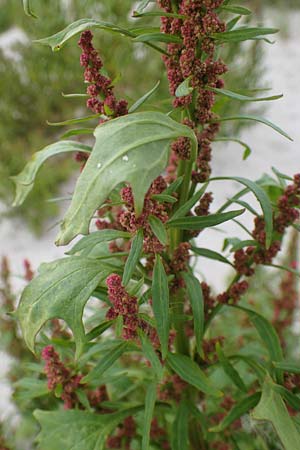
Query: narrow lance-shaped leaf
[[210, 254], [134, 256], [186, 207], [247, 151], [28, 8], [196, 299], [243, 34], [158, 229], [87, 243], [57, 40], [180, 428], [160, 304], [263, 200], [255, 119], [201, 222], [61, 290], [288, 366], [235, 9], [272, 408], [230, 371], [143, 99], [78, 430], [268, 334], [241, 408], [243, 98], [151, 355], [190, 372], [25, 180], [148, 415], [133, 149], [106, 362], [158, 37]]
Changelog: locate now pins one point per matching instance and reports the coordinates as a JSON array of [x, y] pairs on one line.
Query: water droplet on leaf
[[125, 158], [99, 165]]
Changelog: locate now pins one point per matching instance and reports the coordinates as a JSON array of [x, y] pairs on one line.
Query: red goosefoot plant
[[150, 373]]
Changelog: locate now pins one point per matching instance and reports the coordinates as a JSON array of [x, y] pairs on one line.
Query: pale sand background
[[282, 62]]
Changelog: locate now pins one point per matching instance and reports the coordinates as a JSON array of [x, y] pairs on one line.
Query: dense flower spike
[[185, 61], [59, 375], [130, 222], [123, 305], [100, 90], [123, 436]]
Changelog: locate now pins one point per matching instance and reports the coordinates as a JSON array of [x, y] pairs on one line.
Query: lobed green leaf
[[125, 148]]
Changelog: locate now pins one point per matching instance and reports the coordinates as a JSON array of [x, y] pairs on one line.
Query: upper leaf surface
[[61, 290], [133, 149], [77, 430]]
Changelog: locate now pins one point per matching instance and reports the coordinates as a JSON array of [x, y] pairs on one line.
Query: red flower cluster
[[288, 212], [234, 293], [125, 433], [58, 374], [130, 222], [123, 305], [102, 99], [183, 61], [28, 270], [171, 388], [159, 434]]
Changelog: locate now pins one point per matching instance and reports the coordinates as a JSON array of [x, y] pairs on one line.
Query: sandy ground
[[282, 70]]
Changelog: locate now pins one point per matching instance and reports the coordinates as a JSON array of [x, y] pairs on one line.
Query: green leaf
[[196, 299], [242, 98], [247, 151], [243, 244], [272, 408], [148, 415], [126, 148], [106, 362], [87, 243], [76, 132], [230, 370], [78, 430], [151, 355], [210, 254], [158, 37], [160, 304], [25, 180], [263, 199], [267, 333], [158, 229], [134, 256], [143, 99], [61, 290], [232, 23], [180, 428], [57, 40], [28, 9], [184, 88], [190, 372], [201, 222], [173, 186], [164, 198], [243, 34], [235, 9], [292, 399], [98, 330], [255, 119], [236, 412], [158, 14], [287, 366], [74, 95], [142, 5], [73, 121], [186, 207]]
